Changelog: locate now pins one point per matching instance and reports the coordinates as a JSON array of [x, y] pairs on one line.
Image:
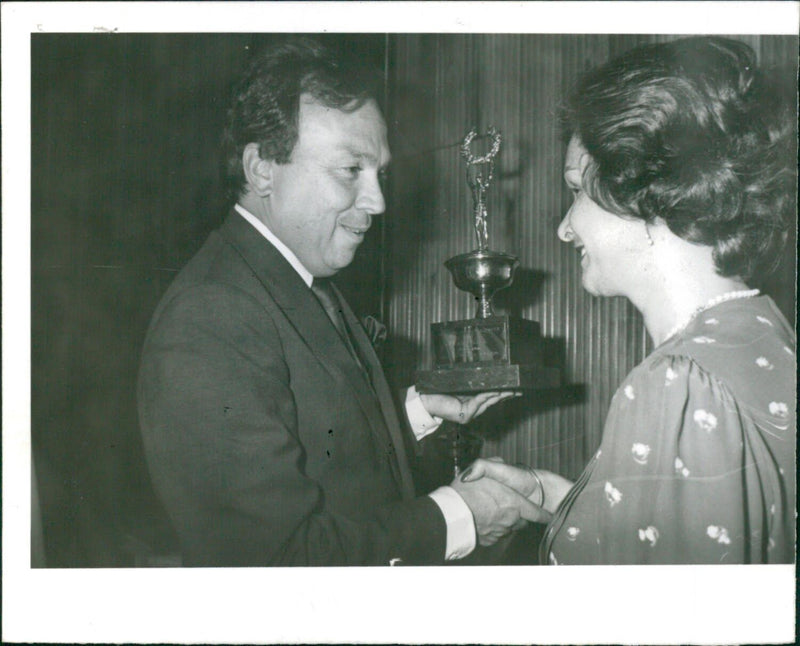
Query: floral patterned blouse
[[696, 463]]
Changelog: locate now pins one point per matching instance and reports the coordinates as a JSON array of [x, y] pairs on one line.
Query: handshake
[[503, 498]]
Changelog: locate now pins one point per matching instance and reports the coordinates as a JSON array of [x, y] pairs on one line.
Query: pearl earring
[[650, 242]]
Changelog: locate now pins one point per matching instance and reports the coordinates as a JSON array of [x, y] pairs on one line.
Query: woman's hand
[[463, 409], [522, 479]]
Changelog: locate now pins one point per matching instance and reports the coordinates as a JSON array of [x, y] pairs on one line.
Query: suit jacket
[[265, 441]]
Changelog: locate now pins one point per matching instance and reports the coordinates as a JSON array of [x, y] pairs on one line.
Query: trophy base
[[486, 378], [493, 353]]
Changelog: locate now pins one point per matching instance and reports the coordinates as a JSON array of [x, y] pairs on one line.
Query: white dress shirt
[[457, 516]]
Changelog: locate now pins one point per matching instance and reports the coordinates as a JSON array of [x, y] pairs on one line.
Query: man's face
[[323, 199]]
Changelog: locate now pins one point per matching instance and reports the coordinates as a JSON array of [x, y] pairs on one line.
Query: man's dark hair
[[266, 103], [691, 132]]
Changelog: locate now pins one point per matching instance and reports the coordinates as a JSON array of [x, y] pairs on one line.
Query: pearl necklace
[[722, 298]]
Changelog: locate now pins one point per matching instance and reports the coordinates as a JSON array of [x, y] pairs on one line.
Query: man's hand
[[463, 409], [522, 480], [497, 509]]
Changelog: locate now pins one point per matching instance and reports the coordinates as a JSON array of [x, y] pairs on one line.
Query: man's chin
[[340, 262]]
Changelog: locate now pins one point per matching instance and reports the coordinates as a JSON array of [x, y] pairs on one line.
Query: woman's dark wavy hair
[[266, 102], [691, 132]]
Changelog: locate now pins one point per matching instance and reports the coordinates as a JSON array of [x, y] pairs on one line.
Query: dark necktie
[[323, 290], [327, 297]]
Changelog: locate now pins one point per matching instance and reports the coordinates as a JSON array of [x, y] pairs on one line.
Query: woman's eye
[[352, 171]]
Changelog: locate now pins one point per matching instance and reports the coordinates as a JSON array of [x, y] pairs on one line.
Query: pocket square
[[376, 331]]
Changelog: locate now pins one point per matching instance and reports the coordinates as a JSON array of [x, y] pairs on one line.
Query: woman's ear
[[257, 171]]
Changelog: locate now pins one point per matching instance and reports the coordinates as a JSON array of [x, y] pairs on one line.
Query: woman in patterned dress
[[681, 164]]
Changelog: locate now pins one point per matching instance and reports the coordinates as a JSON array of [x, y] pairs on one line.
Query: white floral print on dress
[[788, 350], [705, 420], [779, 409], [650, 535], [712, 322], [613, 495], [704, 339], [553, 559], [680, 468], [629, 392], [640, 452], [719, 534], [670, 377], [761, 319], [572, 533], [763, 362]]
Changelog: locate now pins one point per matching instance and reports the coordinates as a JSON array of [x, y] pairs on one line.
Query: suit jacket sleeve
[[220, 427]]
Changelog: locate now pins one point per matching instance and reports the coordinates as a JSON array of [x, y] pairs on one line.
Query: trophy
[[490, 351]]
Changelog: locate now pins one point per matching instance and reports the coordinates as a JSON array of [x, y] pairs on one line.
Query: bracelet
[[541, 487]]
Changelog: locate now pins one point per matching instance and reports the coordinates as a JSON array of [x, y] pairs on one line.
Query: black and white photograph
[[476, 329]]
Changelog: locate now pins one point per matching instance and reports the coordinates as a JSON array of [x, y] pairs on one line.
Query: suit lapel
[[383, 392], [308, 317]]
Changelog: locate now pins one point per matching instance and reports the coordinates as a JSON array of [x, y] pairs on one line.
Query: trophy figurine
[[488, 352]]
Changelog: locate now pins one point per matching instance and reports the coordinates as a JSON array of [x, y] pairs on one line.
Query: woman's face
[[609, 245]]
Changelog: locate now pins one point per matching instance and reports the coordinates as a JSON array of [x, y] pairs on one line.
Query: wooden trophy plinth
[[479, 355], [488, 352]]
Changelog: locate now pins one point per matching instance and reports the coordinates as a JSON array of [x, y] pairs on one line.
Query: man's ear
[[257, 171]]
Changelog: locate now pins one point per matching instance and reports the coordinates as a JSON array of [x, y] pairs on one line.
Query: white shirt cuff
[[459, 520], [422, 423]]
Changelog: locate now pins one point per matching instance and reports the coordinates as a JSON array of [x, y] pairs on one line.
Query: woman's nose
[[565, 232]]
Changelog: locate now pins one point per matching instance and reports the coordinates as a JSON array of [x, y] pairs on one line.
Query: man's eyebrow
[[360, 154]]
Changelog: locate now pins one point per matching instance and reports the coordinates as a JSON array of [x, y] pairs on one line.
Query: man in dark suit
[[268, 425]]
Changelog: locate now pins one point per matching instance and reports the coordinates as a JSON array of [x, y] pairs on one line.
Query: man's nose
[[370, 196], [565, 233]]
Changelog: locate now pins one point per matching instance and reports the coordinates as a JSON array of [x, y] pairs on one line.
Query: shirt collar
[[287, 253]]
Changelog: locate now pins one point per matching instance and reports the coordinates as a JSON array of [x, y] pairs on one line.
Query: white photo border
[[709, 604]]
